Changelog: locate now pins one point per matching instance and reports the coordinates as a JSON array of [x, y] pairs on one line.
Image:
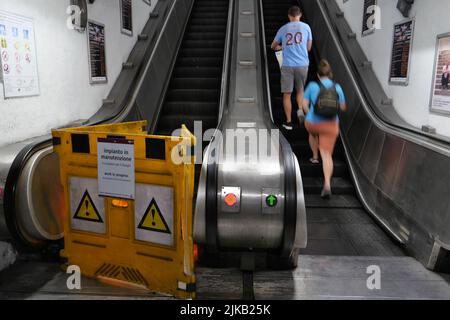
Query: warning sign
[[153, 220], [86, 207], [87, 210]]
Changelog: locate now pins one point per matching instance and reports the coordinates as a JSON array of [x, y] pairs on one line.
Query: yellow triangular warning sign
[[87, 211], [153, 219]]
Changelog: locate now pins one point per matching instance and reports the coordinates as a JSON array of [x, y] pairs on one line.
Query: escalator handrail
[[25, 154], [436, 143], [142, 71], [9, 203], [211, 203], [356, 183], [225, 83], [290, 182], [132, 101]]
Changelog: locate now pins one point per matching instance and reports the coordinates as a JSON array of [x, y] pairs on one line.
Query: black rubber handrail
[[442, 141], [290, 175], [211, 205], [9, 203]]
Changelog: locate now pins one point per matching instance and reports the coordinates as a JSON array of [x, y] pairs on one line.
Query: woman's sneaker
[[288, 125]]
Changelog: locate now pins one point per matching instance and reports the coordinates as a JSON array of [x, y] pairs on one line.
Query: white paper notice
[[18, 56], [116, 177]]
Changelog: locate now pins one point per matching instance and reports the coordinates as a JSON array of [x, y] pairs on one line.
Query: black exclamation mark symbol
[[153, 215], [86, 203]]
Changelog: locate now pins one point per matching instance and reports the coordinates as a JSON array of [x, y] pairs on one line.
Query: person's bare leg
[[328, 167], [299, 97], [287, 103], [314, 145]]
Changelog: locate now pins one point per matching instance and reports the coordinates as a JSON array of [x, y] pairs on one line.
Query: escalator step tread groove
[[194, 90], [275, 16]]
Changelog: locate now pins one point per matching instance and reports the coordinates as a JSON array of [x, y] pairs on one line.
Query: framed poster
[[97, 52], [401, 52], [18, 59], [369, 17], [126, 17], [440, 92]]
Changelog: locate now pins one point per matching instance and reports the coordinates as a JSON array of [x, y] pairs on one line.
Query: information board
[[116, 177], [401, 52], [97, 52], [440, 90], [18, 56], [126, 17]]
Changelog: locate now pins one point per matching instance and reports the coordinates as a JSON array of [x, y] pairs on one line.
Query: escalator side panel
[[400, 177]]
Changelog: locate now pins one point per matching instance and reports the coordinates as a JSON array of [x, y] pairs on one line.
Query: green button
[[272, 201]]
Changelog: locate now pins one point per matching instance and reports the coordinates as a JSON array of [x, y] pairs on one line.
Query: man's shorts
[[291, 76]]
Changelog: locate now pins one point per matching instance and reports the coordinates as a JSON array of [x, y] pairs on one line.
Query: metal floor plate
[[333, 277], [317, 277]]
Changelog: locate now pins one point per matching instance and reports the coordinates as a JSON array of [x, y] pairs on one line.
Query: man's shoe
[[288, 125]]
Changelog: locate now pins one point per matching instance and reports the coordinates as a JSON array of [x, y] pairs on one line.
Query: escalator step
[[206, 36], [209, 15], [200, 62], [175, 121], [315, 170], [195, 83], [339, 186], [208, 22], [210, 29], [193, 95], [192, 108], [197, 72], [204, 44]]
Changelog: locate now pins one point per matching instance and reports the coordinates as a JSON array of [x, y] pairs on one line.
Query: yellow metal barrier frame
[[116, 255]]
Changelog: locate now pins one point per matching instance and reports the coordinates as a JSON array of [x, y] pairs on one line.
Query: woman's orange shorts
[[328, 133]]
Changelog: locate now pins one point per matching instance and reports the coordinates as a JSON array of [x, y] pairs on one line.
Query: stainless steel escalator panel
[[247, 114], [401, 176], [249, 228]]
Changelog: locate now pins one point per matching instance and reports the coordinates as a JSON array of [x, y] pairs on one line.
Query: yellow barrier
[[146, 242]]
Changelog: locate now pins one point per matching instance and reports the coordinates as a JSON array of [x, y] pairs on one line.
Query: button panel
[[231, 199], [271, 201]]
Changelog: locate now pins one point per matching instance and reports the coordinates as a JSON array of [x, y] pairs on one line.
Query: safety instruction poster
[[97, 52], [18, 56]]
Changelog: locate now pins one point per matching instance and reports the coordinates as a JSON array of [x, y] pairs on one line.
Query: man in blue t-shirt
[[295, 39]]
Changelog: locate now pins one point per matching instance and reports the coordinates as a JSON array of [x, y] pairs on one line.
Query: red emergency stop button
[[231, 199]]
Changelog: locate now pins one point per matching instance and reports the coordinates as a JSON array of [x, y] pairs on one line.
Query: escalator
[[339, 226], [194, 90], [182, 47]]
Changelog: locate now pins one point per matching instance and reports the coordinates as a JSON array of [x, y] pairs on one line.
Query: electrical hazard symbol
[[87, 211], [153, 219]]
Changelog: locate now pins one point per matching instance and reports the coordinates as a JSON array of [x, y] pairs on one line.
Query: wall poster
[[97, 52], [18, 56], [126, 17], [440, 92], [401, 52]]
